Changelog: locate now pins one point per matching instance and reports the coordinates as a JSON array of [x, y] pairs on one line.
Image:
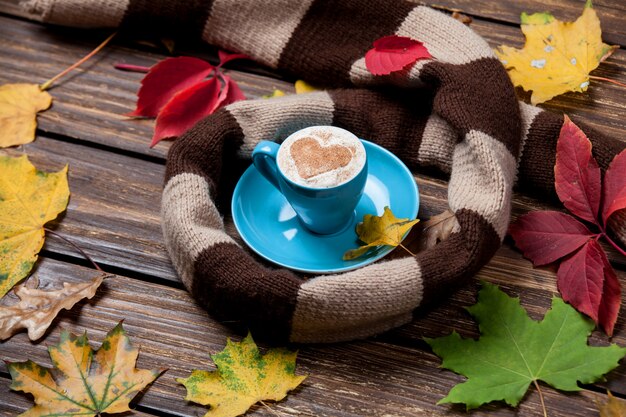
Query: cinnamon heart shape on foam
[[313, 159]]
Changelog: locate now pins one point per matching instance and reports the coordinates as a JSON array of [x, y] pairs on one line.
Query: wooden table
[[116, 179]]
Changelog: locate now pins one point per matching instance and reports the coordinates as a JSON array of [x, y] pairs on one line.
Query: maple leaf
[[393, 53], [558, 56], [585, 277], [514, 351], [83, 382], [28, 199], [38, 308], [19, 105], [382, 230], [167, 78], [613, 407], [243, 378]]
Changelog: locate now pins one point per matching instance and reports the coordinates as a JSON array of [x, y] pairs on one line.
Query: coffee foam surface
[[321, 158]]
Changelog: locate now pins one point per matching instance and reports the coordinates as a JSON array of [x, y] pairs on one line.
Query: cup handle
[[264, 159]]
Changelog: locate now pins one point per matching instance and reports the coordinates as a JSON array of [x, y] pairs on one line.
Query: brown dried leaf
[[37, 308], [613, 407], [437, 229], [463, 18]]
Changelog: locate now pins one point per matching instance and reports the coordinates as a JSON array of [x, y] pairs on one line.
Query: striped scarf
[[457, 112]]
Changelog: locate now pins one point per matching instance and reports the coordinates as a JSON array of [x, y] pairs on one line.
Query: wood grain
[[89, 105], [363, 378], [114, 215], [611, 12]]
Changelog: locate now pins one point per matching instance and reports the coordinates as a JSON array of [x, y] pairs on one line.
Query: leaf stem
[[594, 77], [543, 405], [75, 246], [615, 245], [49, 83], [406, 249], [270, 408], [131, 68]]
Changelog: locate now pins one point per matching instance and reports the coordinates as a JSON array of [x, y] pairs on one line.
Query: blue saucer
[[269, 226]]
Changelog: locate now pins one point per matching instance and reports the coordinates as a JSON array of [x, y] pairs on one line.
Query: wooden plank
[[89, 105], [362, 378], [114, 208], [611, 12], [113, 212]]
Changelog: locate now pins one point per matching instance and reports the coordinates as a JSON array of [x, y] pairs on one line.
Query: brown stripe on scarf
[[203, 148], [167, 18], [263, 298], [494, 111], [536, 167], [394, 120], [323, 47], [459, 257]]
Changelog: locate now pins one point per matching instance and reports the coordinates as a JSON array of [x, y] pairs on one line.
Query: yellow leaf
[[558, 56], [378, 231], [303, 87], [83, 382], [243, 378], [19, 105], [613, 407], [28, 200], [276, 93], [37, 308]]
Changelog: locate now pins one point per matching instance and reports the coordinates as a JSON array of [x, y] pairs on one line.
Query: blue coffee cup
[[323, 210]]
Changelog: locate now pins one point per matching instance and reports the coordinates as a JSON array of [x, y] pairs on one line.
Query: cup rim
[[306, 187]]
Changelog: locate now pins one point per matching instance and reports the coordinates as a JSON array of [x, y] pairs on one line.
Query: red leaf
[[611, 298], [230, 92], [393, 53], [227, 57], [545, 236], [576, 173], [580, 279], [614, 190], [165, 79], [185, 109]]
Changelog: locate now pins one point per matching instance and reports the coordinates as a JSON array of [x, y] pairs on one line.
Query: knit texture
[[456, 112]]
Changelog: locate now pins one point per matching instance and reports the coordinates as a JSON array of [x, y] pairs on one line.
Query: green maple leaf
[[514, 351]]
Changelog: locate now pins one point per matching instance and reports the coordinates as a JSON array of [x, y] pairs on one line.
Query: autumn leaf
[[38, 308], [585, 277], [28, 199], [547, 236], [613, 407], [437, 229], [514, 351], [303, 87], [558, 56], [226, 57], [393, 53], [382, 230], [167, 78], [243, 377], [185, 109], [177, 93], [275, 93], [83, 382], [19, 105]]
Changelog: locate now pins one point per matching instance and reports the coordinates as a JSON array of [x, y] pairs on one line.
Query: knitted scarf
[[457, 112]]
